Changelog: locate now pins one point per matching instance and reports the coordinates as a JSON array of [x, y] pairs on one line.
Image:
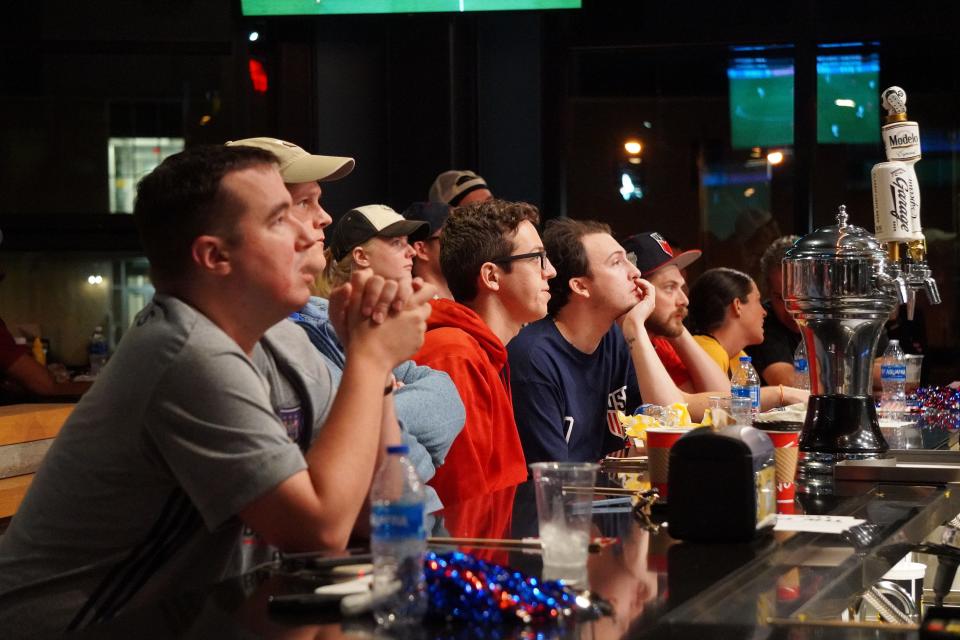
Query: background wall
[[538, 103]]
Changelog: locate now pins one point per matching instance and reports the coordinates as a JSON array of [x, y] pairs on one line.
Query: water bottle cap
[[398, 449], [745, 358]]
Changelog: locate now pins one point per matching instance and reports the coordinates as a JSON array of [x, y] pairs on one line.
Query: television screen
[[761, 101], [848, 98], [329, 7]]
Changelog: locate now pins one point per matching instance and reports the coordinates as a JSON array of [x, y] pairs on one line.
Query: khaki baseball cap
[[451, 186], [296, 165]]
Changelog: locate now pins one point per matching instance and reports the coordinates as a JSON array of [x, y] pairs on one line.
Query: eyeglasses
[[544, 260]]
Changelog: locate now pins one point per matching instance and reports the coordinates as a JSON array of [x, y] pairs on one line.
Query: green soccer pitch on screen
[[329, 7]]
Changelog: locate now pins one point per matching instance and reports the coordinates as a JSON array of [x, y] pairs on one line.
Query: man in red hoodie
[[497, 270]]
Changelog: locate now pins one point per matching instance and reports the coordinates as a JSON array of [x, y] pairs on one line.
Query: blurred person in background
[[773, 357], [459, 187], [22, 378]]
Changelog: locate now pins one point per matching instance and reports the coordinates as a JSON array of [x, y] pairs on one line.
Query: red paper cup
[[785, 456], [659, 441]]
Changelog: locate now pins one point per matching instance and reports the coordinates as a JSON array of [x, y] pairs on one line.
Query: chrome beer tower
[[841, 284]]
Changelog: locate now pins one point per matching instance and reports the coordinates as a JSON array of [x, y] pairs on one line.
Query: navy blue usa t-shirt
[[566, 401]]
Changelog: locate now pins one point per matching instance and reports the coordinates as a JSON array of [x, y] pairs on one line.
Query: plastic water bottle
[[893, 379], [98, 351], [746, 383], [397, 541], [801, 367]]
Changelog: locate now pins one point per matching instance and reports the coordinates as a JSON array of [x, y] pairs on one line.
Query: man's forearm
[[655, 383], [343, 457], [704, 372]]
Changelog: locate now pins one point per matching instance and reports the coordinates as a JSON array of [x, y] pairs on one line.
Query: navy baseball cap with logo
[[433, 213], [650, 251]]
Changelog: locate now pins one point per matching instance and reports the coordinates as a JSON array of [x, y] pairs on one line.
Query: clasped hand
[[387, 317]]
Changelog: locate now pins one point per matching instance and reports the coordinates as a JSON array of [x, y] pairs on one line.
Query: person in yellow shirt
[[725, 316]]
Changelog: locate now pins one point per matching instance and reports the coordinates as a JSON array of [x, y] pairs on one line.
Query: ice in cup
[[785, 455], [564, 509], [659, 441]]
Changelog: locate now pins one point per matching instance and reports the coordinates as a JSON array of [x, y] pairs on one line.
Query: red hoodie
[[487, 455]]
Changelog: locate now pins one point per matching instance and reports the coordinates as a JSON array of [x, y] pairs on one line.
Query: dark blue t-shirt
[[565, 401]]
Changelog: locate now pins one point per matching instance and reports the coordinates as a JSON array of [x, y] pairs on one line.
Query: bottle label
[[752, 392], [902, 141], [893, 372], [397, 521], [800, 365]]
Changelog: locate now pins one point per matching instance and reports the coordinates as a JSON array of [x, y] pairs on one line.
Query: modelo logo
[[903, 140]]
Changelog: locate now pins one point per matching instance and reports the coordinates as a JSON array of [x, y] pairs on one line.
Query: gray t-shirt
[[138, 496]]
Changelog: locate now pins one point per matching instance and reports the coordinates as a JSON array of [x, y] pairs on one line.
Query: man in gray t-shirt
[[177, 445]]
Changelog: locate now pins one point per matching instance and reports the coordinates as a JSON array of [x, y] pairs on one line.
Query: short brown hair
[[183, 198], [563, 239], [477, 233]]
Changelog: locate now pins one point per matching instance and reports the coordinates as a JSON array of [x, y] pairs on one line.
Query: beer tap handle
[[911, 303], [895, 282], [930, 287]]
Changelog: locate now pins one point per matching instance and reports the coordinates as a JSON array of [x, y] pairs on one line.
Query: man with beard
[[688, 364], [690, 367], [591, 356]]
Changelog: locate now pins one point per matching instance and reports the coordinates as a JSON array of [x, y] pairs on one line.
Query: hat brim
[[413, 229], [680, 261], [311, 168]]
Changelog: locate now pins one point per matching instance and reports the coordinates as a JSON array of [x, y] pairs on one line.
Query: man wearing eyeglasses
[[497, 270], [574, 370]]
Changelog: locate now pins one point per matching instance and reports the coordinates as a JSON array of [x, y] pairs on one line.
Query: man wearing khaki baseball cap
[[427, 434], [296, 165]]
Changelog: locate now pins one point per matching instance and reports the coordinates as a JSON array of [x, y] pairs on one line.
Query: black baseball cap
[[360, 224], [650, 251]]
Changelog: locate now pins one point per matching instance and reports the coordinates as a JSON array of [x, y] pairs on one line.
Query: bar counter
[[782, 585]]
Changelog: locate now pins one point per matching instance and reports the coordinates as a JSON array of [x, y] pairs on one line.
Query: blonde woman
[[429, 409]]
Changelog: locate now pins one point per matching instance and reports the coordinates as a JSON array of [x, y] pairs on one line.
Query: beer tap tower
[[896, 203], [841, 283]]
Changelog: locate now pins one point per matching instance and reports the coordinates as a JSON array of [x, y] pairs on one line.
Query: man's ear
[[210, 253], [489, 277], [360, 257], [418, 248], [578, 287]]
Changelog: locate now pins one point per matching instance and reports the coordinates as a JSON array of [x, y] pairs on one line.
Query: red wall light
[[258, 76]]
